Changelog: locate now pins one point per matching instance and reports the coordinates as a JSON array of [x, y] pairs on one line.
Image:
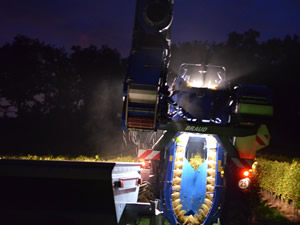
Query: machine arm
[[148, 64]]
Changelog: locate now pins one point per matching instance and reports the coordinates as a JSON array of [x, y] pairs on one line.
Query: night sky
[[64, 23]]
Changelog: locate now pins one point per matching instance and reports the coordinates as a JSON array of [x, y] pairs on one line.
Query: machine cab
[[199, 94], [202, 76]]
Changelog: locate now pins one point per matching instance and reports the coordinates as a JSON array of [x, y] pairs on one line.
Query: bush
[[280, 178]]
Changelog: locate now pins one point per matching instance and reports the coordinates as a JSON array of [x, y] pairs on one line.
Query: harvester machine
[[211, 130]]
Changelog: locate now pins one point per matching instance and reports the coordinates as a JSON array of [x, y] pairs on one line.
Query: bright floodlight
[[202, 76]]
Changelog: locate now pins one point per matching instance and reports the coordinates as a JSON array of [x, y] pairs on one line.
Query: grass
[[269, 216], [147, 221]]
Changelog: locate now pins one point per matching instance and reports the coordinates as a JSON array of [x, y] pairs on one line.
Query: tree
[[36, 78], [38, 82]]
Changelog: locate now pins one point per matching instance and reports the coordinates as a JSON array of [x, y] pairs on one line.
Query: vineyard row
[[280, 178]]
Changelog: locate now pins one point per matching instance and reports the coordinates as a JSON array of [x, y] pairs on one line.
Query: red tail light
[[246, 173], [245, 181], [143, 164]]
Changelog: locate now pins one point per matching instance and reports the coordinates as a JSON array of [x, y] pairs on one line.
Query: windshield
[[202, 76]]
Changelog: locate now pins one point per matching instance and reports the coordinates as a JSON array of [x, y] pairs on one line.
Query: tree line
[[54, 101]]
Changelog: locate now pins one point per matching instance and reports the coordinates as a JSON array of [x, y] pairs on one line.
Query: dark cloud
[[75, 22]]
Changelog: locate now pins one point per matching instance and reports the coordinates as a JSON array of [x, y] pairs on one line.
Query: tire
[[236, 209], [236, 206]]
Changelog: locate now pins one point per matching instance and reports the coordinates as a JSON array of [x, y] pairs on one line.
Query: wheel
[[236, 207]]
